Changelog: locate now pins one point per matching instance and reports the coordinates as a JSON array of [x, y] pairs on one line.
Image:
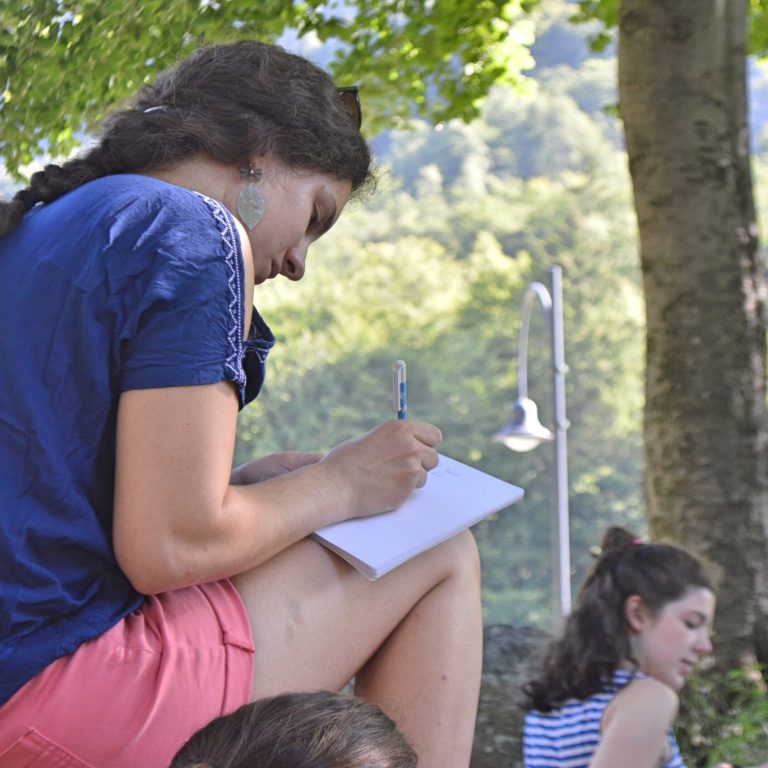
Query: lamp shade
[[524, 430]]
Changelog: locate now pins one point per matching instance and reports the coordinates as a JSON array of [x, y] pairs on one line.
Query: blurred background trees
[[433, 268]]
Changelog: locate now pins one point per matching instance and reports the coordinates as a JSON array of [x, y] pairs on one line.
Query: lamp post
[[524, 431]]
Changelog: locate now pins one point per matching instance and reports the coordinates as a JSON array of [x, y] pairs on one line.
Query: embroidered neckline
[[232, 258]]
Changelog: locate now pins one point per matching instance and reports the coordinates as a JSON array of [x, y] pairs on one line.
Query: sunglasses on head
[[350, 96]]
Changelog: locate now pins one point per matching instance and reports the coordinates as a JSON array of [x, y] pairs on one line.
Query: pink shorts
[[131, 697]]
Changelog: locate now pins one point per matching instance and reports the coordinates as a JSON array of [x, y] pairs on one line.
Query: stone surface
[[508, 652]]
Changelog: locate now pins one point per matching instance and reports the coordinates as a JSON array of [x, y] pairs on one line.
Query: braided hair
[[595, 641], [227, 103]]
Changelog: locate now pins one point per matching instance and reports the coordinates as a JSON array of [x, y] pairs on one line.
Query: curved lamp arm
[[535, 290]]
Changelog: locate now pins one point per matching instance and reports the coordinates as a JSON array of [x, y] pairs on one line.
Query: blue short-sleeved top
[[126, 282]]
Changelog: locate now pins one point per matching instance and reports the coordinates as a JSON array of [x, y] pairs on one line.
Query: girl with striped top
[[607, 691]]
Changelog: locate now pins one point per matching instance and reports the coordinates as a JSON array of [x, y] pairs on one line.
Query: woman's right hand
[[179, 520], [383, 467]]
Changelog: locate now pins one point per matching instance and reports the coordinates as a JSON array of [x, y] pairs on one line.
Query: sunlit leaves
[[67, 62], [606, 11], [758, 27], [63, 64]]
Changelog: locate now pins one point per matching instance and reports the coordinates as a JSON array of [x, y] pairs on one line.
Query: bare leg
[[413, 638]]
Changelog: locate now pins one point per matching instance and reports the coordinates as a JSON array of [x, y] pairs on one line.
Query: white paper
[[455, 497]]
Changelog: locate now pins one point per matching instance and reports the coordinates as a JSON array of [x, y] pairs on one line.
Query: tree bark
[[683, 101]]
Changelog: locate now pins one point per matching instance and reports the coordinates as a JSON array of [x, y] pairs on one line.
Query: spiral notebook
[[455, 497]]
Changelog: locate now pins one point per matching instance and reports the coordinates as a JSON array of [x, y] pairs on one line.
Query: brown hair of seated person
[[299, 730]]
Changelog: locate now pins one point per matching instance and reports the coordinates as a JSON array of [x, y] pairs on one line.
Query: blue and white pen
[[399, 390]]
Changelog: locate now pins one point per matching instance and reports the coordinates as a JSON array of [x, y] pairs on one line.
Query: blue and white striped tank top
[[568, 737]]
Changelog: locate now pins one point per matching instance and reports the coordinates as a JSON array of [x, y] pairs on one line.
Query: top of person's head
[[595, 640], [231, 102], [227, 103], [299, 730], [658, 573]]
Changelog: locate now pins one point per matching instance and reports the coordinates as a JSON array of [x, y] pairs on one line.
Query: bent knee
[[461, 555]]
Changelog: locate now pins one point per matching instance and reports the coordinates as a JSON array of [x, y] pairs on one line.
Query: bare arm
[[634, 728], [180, 521], [267, 467]]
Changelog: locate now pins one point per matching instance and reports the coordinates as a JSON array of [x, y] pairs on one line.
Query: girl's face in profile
[[669, 644], [300, 207]]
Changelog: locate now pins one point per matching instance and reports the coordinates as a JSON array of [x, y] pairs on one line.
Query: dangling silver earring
[[250, 199]]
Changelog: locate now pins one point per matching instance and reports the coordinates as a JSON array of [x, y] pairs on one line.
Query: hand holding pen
[[402, 453], [399, 390]]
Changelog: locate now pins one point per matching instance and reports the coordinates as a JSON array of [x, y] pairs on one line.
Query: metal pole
[[560, 525]]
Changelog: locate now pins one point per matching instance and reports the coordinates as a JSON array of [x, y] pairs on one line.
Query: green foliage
[[724, 718], [450, 149], [606, 11], [758, 27], [64, 64], [443, 56]]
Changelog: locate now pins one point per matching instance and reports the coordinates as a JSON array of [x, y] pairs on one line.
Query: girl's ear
[[636, 613]]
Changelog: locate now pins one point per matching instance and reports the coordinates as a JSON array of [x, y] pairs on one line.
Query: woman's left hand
[[276, 464]]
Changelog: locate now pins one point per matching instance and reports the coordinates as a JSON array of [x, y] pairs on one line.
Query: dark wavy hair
[[595, 640], [225, 102], [299, 730]]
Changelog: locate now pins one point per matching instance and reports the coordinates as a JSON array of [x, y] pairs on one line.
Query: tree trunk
[[682, 88]]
